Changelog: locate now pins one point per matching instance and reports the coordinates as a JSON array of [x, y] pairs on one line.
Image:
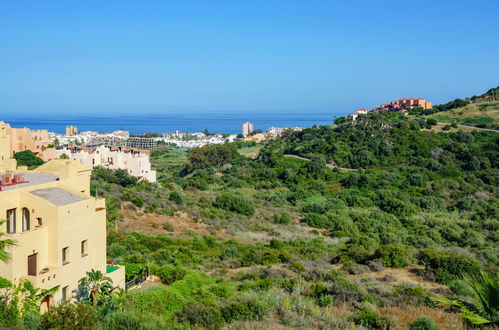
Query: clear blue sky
[[256, 55]]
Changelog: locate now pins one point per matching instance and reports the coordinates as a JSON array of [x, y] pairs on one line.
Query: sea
[[161, 123]]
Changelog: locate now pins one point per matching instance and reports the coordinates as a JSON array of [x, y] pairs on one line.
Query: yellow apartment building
[[59, 229], [37, 141]]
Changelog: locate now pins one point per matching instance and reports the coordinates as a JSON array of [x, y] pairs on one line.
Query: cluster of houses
[[401, 105]]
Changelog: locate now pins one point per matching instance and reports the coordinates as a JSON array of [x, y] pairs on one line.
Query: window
[[11, 221], [39, 222], [84, 248], [65, 255], [32, 268], [25, 214], [65, 293]]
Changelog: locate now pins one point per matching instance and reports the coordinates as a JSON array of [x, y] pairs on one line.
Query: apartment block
[[37, 141], [59, 229], [136, 162], [405, 104], [71, 130], [247, 128]]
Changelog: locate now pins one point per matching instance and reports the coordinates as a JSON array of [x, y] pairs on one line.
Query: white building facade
[[135, 162]]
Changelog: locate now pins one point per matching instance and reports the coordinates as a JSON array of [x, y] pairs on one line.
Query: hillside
[[275, 241], [482, 115]]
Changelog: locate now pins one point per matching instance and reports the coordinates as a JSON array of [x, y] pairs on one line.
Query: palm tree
[[94, 286], [4, 243], [485, 311]]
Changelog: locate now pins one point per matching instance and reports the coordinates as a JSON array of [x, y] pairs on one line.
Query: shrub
[[296, 266], [206, 316], [448, 265], [235, 204], [431, 121], [27, 158], [368, 318], [69, 316], [461, 288], [176, 198], [393, 255], [316, 220], [130, 319], [283, 219], [169, 274], [423, 323]]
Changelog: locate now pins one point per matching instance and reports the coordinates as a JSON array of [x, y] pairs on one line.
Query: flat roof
[[32, 179], [58, 196]]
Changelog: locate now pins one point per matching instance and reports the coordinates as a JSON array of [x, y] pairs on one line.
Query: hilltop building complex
[[59, 229], [403, 105]]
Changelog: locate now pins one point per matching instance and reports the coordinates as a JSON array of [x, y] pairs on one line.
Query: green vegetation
[[27, 158], [300, 233]]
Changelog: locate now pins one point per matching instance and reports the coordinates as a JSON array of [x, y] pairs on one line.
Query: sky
[[128, 57]]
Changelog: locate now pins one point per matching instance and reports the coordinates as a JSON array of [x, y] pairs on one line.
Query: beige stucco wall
[[62, 226], [37, 141]]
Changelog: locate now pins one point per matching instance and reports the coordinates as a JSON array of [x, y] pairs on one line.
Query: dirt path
[[472, 127]]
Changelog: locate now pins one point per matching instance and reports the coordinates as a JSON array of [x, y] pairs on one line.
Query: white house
[[135, 162]]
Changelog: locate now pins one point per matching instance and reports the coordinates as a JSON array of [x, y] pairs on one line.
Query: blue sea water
[[160, 123]]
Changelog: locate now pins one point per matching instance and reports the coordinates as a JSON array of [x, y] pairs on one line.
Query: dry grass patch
[[405, 316]]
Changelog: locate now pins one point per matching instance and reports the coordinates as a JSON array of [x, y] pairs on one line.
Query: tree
[[4, 244], [94, 288], [485, 288], [27, 158]]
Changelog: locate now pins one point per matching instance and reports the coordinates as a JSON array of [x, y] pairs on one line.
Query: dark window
[[65, 255], [65, 293], [32, 264], [26, 224], [11, 221], [84, 248]]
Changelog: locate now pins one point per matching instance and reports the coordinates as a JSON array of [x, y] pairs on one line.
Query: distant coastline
[[139, 124]]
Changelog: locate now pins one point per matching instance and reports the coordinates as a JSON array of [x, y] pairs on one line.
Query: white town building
[[135, 162]]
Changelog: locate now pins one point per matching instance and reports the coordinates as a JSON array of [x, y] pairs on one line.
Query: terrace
[[30, 179]]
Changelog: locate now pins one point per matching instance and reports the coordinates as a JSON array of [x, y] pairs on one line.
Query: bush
[[448, 265], [235, 204], [393, 255], [423, 323], [133, 320], [316, 220], [431, 121], [169, 274], [176, 198], [296, 266], [368, 318], [283, 219], [27, 158], [69, 316], [206, 316], [461, 288]]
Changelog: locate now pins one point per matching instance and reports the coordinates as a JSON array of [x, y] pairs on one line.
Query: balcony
[[46, 278]]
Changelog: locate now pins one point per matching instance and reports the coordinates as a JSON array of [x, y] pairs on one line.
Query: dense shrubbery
[[407, 196], [27, 158], [235, 204]]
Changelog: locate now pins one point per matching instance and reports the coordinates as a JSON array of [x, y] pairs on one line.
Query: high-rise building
[[58, 227], [71, 130], [247, 128]]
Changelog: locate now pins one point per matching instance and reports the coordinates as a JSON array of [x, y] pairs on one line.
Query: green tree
[[94, 288], [27, 158]]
